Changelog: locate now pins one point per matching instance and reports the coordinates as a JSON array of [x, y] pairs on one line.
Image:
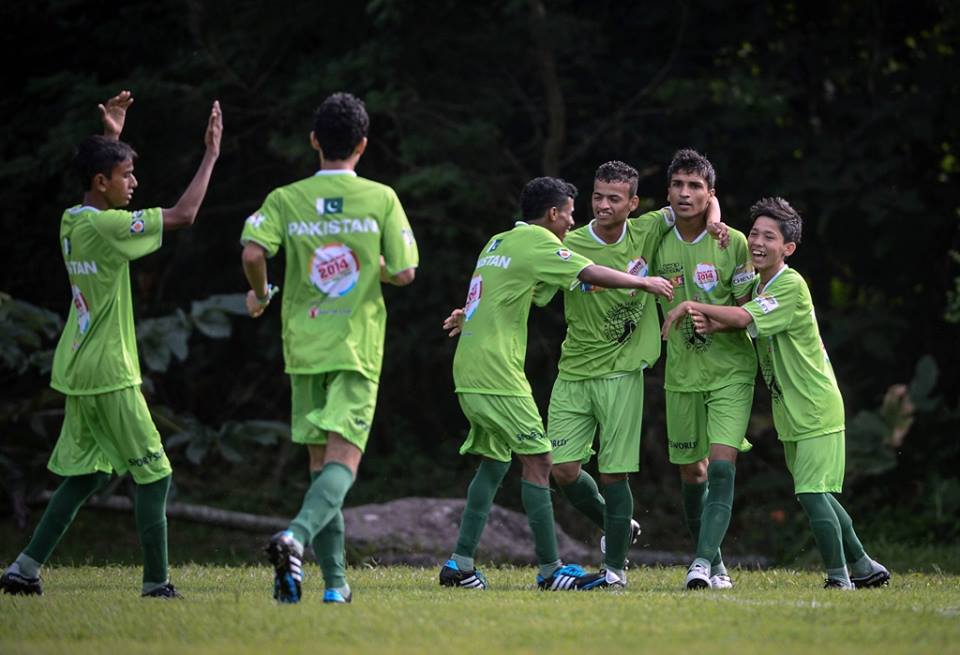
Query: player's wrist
[[264, 299]]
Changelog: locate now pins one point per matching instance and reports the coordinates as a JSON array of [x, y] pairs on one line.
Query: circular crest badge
[[706, 277], [334, 270]]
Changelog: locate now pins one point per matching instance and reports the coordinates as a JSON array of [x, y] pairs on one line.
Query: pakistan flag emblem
[[329, 205]]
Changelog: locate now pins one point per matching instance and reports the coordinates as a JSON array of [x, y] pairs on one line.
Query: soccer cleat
[[721, 581], [612, 580], [835, 583], [698, 576], [452, 576], [878, 577], [286, 555], [334, 596], [634, 535], [571, 578], [165, 590], [15, 584]]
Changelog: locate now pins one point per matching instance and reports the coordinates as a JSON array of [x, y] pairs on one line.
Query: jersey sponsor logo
[[500, 261], [66, 246], [474, 293], [137, 226], [670, 269], [81, 268], [586, 287], [743, 275], [494, 245], [329, 205], [621, 321], [766, 303], [677, 281], [564, 254], [693, 340], [637, 267], [705, 276], [255, 220], [334, 269], [341, 226], [82, 308]]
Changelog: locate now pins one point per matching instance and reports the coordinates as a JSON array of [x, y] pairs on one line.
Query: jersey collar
[[76, 209], [601, 241], [771, 280], [336, 171], [680, 238]]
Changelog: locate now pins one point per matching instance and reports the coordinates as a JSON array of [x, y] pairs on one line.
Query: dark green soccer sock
[[322, 501], [619, 512], [852, 547], [826, 529], [717, 509], [150, 510], [585, 496], [60, 512], [694, 496], [539, 509], [480, 495], [328, 547]]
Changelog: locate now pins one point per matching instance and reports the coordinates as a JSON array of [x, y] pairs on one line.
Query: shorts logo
[[533, 435], [137, 224], [83, 310], [766, 303], [564, 254], [637, 267], [683, 445], [334, 270], [473, 297], [146, 459], [706, 277], [494, 245], [556, 443], [256, 220], [360, 423], [329, 205]]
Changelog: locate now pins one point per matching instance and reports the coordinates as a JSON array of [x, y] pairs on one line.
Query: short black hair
[[340, 123], [97, 154], [787, 218], [542, 193], [617, 171], [693, 163]]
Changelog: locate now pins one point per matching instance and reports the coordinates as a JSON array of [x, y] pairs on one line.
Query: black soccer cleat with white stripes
[[572, 578], [286, 555], [452, 575], [15, 583]]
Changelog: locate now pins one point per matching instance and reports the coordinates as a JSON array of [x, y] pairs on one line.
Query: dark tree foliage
[[847, 108]]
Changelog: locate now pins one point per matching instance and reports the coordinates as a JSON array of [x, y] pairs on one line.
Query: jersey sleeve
[[556, 265], [543, 294], [743, 274], [265, 226], [397, 243], [773, 311], [132, 234], [664, 219]]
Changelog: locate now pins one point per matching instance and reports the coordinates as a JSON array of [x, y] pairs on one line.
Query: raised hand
[[454, 323], [214, 130], [113, 113], [719, 232]]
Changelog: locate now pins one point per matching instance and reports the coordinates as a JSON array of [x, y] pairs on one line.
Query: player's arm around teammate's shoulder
[[716, 228], [184, 213]]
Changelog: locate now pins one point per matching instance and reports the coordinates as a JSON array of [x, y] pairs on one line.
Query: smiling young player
[[807, 406]]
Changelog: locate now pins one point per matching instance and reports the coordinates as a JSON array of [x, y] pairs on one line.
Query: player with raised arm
[[807, 406], [709, 377], [490, 383], [612, 336], [343, 235], [107, 426]]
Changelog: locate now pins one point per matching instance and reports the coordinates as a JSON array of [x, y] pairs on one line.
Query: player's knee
[[695, 473], [565, 474]]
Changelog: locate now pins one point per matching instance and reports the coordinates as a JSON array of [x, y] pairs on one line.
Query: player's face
[[118, 188], [612, 202], [688, 194], [767, 247], [563, 219]]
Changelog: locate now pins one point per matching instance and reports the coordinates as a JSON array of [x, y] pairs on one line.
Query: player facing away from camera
[[807, 406], [343, 236], [612, 336], [107, 427], [709, 377], [490, 383]]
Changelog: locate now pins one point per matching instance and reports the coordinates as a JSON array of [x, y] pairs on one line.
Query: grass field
[[403, 610]]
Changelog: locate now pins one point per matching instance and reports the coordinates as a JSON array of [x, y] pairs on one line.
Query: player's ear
[[313, 141], [99, 182], [634, 203], [360, 147], [789, 249]]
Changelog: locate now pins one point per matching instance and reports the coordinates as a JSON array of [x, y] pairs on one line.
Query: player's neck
[[349, 164], [95, 200], [692, 227], [609, 232], [767, 274]]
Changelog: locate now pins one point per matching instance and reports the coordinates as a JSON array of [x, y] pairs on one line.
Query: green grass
[[403, 610]]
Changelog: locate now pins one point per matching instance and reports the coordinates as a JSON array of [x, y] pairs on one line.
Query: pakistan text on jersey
[[494, 260], [81, 268], [339, 226]]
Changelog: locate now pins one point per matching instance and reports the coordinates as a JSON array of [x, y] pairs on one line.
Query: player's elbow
[[404, 277], [176, 218], [253, 255]]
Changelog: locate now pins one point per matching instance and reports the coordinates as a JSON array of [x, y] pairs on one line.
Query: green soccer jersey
[[334, 227], [613, 331], [702, 271], [493, 342], [97, 351], [793, 360]]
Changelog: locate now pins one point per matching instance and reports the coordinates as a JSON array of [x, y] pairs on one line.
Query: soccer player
[[612, 336], [709, 377], [343, 235], [107, 426], [493, 392], [807, 406]]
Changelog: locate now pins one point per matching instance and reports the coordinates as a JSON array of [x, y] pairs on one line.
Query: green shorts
[[817, 464], [579, 407], [110, 432], [501, 426], [336, 401], [697, 419]]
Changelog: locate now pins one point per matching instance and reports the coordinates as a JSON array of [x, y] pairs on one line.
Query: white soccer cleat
[[721, 581], [698, 576]]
